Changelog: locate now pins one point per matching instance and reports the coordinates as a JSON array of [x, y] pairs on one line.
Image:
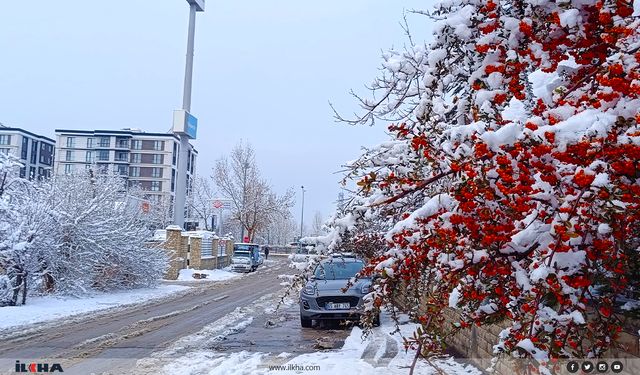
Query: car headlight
[[366, 288], [310, 289]]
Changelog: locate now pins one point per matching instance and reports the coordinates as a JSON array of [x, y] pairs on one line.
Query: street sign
[[185, 123], [221, 203]]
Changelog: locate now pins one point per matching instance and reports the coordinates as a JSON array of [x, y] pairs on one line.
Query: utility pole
[[185, 125], [302, 214]]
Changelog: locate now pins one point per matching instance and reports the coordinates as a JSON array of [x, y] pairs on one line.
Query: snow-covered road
[[220, 327], [111, 341]]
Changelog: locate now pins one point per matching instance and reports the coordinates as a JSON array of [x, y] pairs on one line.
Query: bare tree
[[200, 201], [160, 212], [254, 204], [282, 230], [317, 225]]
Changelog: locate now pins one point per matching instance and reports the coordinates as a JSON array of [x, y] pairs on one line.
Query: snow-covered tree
[[254, 203], [15, 262], [158, 210], [72, 234], [511, 186], [317, 225], [101, 234], [200, 201], [282, 230]]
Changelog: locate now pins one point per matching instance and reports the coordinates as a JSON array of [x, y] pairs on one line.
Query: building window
[[173, 180], [156, 185], [68, 169], [46, 153], [32, 172], [122, 143], [25, 146], [134, 172], [156, 172], [34, 152], [122, 156], [135, 158], [136, 144], [23, 172], [5, 139], [103, 155], [71, 142], [4, 151], [89, 158], [104, 141], [89, 142], [122, 170], [193, 162], [175, 153], [158, 145], [69, 155], [157, 159]]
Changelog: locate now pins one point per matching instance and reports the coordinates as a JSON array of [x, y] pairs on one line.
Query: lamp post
[[185, 125], [301, 215]]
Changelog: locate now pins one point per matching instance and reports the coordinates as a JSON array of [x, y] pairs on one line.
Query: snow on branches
[[511, 187], [72, 234]]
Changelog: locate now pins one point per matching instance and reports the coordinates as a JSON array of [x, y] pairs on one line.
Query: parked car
[[246, 257], [322, 297]]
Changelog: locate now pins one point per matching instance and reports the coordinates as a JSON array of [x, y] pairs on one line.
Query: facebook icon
[[573, 367]]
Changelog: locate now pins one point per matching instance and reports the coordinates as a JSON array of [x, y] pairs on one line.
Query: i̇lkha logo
[[38, 367]]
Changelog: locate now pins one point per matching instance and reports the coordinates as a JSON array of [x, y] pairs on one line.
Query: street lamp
[[184, 124], [302, 215]]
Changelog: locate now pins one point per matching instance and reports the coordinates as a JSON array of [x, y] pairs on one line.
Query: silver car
[[323, 298]]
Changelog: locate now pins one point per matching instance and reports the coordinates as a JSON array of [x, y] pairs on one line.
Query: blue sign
[[192, 126]]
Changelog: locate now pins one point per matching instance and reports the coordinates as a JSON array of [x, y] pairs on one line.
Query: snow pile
[[211, 275]]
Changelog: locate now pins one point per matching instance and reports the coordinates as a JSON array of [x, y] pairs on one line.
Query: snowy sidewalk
[[50, 308]]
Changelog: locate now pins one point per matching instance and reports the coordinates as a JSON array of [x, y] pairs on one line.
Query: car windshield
[[241, 254], [244, 247], [337, 270]]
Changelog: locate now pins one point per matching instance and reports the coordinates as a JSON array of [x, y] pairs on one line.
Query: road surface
[[111, 342]]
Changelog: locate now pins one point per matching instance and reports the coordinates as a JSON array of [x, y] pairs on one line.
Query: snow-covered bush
[[16, 236], [100, 235], [511, 186], [72, 234]]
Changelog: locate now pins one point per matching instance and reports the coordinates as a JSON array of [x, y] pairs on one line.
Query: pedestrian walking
[[266, 252]]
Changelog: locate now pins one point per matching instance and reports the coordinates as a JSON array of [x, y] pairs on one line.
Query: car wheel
[[305, 323]]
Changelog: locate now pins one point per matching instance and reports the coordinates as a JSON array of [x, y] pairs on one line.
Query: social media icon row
[[601, 367]]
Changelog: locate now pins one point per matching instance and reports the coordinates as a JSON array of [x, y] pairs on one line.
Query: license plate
[[337, 306]]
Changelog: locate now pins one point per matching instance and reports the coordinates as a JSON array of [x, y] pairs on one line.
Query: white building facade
[[36, 152], [147, 160]]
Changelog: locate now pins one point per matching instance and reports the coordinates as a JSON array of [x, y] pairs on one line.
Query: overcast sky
[[264, 73]]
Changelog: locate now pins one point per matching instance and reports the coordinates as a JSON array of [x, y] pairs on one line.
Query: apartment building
[[36, 152], [147, 160]]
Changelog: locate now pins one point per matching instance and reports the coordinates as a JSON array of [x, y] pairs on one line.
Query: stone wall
[[214, 262], [185, 251], [475, 344], [177, 252]]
